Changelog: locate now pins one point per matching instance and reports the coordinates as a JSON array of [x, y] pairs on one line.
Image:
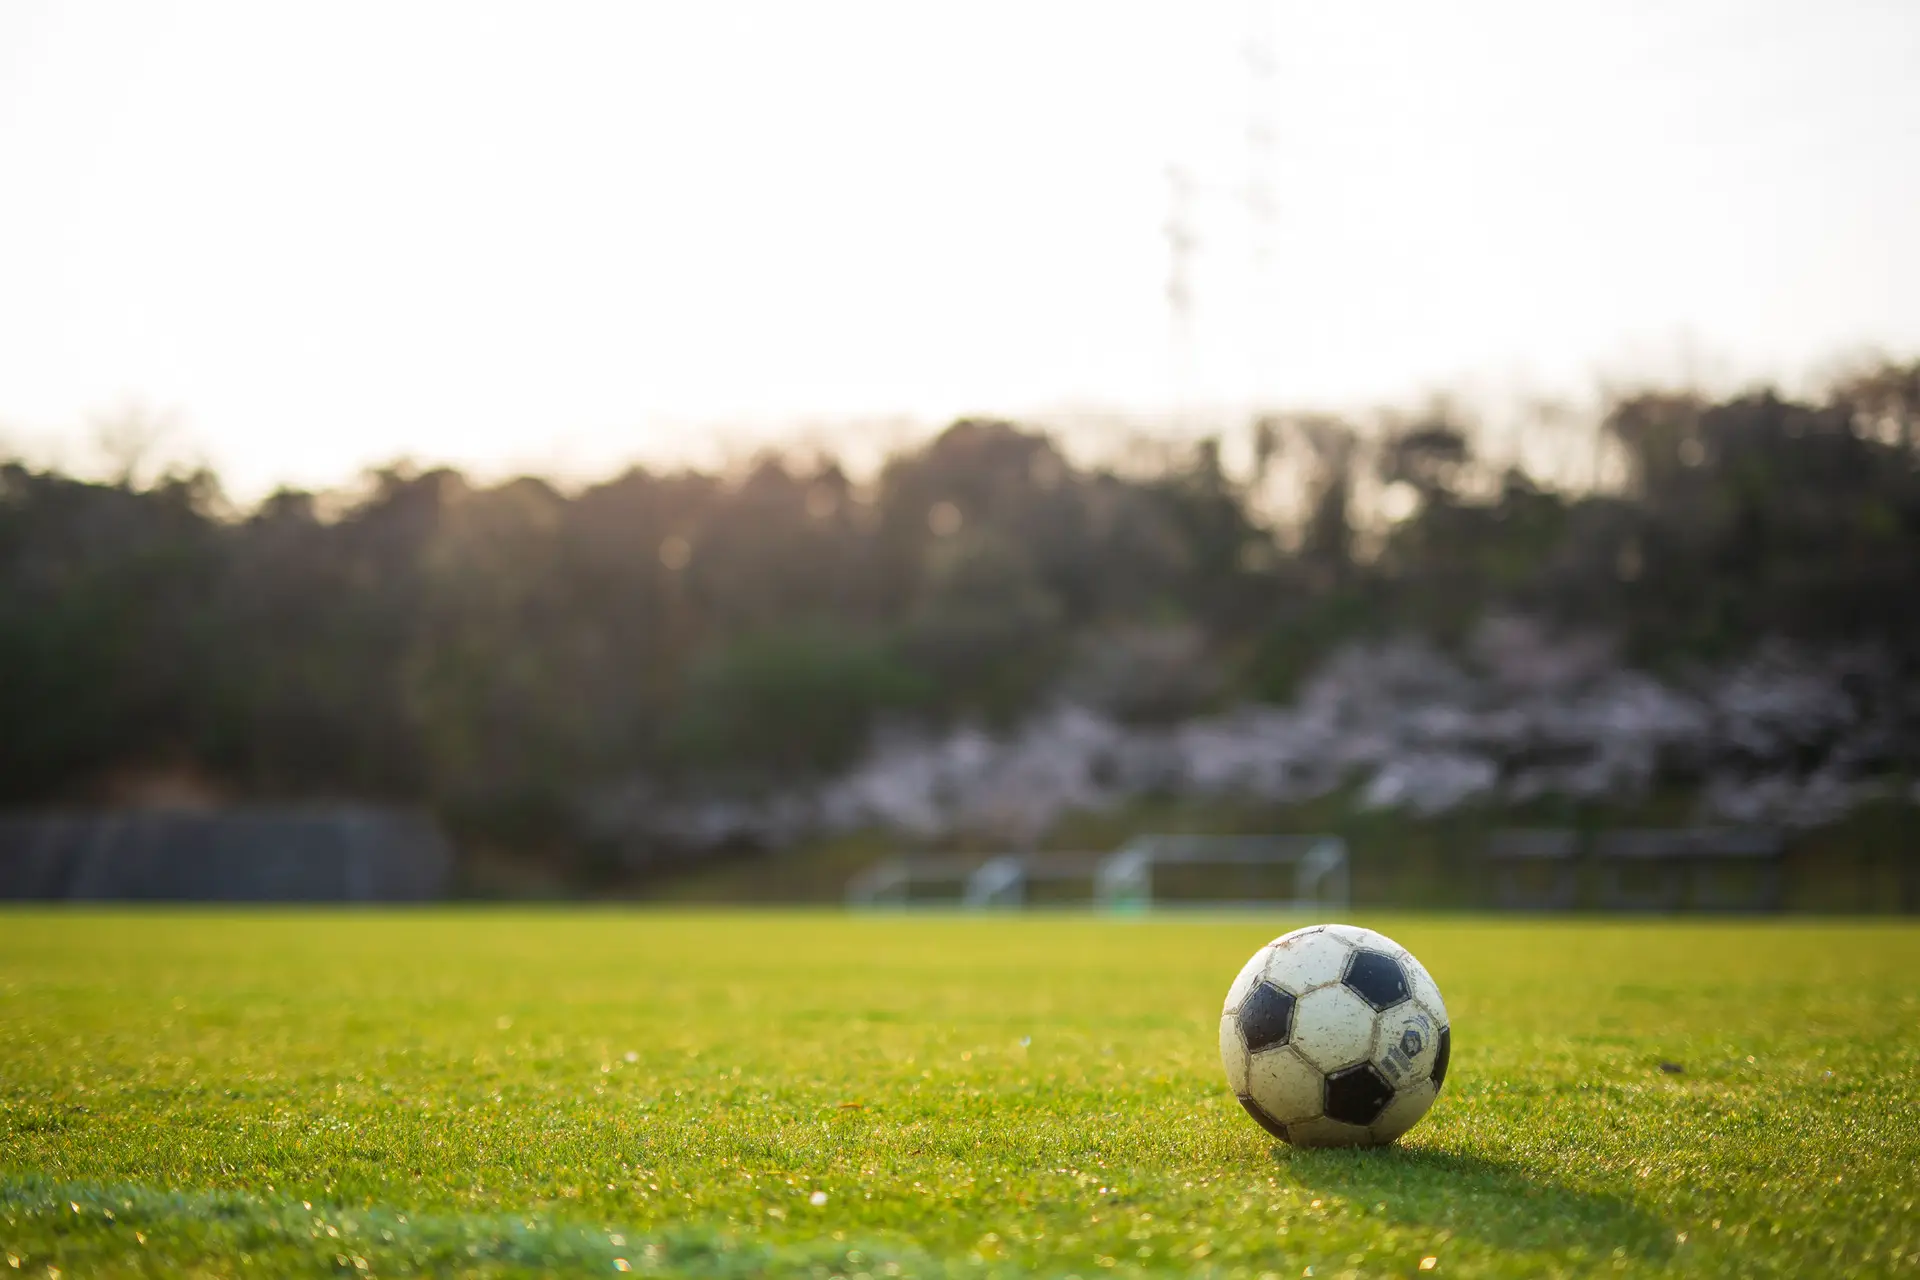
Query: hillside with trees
[[504, 653]]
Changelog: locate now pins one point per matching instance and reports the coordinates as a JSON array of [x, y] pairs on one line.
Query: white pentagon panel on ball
[[1304, 963], [1406, 1039], [1352, 934], [1425, 989], [1301, 932], [1408, 1105], [1233, 1054], [1322, 1132], [1333, 1028], [1286, 1086], [1249, 974]]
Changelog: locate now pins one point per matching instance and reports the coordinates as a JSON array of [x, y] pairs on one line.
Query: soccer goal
[[1256, 872], [1000, 880], [1150, 872]]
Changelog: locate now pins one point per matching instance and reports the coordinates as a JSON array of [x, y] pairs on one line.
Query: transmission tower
[[1262, 205], [1256, 197], [1181, 243]]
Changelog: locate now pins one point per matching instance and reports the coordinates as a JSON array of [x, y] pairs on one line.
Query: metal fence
[[344, 853], [1648, 869]]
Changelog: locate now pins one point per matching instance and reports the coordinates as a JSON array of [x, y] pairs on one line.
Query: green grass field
[[816, 1094]]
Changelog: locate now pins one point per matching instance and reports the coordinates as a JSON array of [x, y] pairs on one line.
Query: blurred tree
[[796, 702], [984, 628]]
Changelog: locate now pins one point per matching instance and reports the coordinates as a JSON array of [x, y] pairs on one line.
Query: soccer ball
[[1334, 1036]]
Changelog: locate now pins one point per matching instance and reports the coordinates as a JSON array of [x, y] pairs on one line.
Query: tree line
[[490, 649]]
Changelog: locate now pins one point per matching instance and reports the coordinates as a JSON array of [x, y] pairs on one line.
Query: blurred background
[[770, 453]]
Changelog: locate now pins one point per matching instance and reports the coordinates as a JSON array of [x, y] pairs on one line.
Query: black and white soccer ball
[[1335, 1036]]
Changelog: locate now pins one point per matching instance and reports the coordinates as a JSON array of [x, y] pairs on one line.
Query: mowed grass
[[579, 1092]]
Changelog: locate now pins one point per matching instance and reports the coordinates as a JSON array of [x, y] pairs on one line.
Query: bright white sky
[[561, 235]]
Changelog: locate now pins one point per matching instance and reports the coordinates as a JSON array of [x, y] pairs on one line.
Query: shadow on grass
[[1491, 1202]]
